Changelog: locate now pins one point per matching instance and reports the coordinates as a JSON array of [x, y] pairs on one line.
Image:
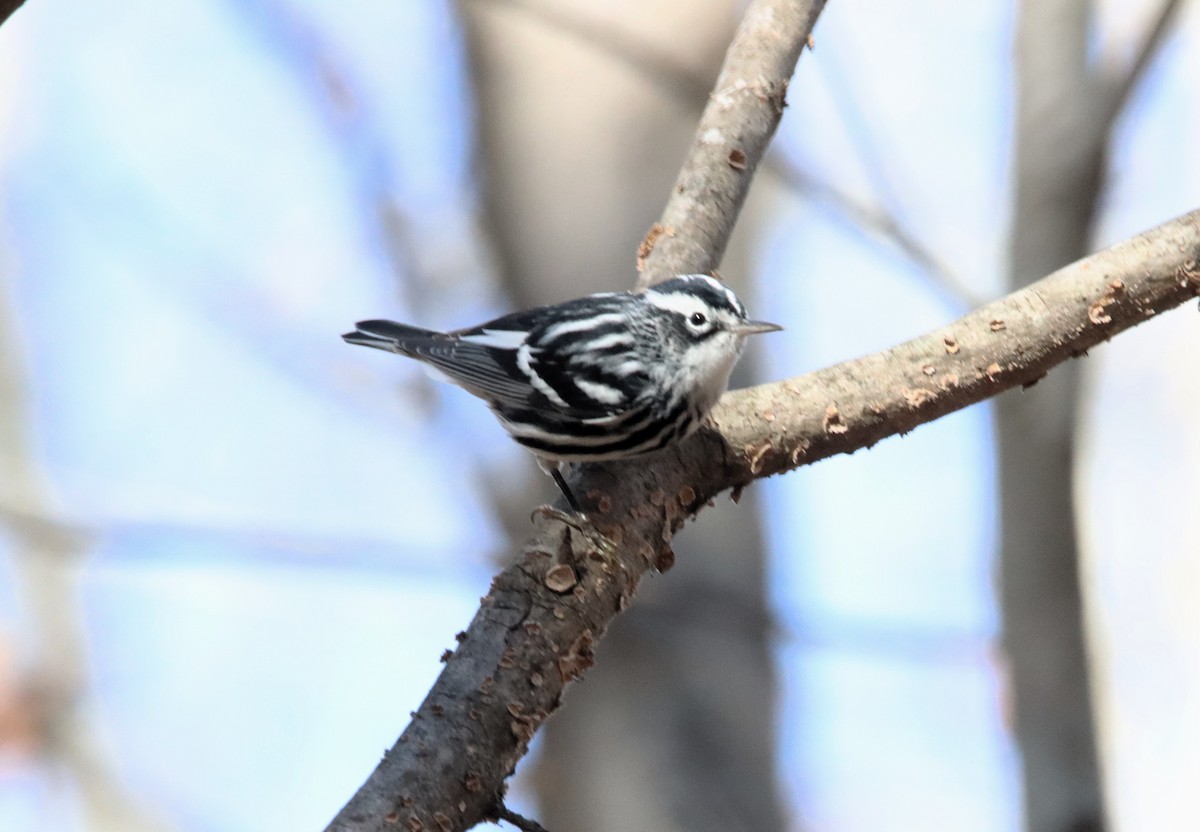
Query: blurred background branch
[[43, 687]]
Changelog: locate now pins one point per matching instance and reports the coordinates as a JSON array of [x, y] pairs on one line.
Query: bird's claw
[[578, 521]]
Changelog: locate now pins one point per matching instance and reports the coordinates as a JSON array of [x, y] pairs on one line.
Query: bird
[[609, 376]]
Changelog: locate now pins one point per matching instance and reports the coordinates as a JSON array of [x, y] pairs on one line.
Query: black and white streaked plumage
[[602, 377]]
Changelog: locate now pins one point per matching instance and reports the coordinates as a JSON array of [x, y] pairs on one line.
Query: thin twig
[[870, 220], [1122, 86], [520, 821]]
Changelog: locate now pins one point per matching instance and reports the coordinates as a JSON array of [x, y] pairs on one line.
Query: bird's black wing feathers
[[546, 360]]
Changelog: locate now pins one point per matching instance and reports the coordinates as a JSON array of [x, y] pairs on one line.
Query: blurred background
[[232, 548]]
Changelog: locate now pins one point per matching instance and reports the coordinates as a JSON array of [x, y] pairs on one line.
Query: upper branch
[[735, 128], [1008, 343]]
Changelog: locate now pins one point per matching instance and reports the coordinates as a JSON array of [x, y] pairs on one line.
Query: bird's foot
[[580, 522]]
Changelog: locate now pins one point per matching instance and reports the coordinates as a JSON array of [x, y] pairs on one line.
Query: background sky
[[285, 533]]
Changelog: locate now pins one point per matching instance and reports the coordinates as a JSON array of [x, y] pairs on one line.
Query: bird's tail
[[389, 336]]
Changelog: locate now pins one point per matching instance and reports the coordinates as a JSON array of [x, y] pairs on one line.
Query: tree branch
[[537, 626], [738, 122], [535, 629]]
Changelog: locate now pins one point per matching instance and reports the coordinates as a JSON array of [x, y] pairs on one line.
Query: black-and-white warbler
[[602, 377]]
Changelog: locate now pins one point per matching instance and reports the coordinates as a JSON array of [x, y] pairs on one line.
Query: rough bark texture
[[603, 134], [537, 628]]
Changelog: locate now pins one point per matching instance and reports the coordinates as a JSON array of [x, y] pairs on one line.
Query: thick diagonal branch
[[537, 626]]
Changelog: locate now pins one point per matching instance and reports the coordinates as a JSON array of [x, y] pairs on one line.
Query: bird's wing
[[484, 365]]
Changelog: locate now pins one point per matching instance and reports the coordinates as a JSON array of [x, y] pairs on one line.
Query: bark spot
[[917, 396], [997, 325], [656, 232], [665, 559], [950, 344], [799, 451], [737, 159], [755, 454], [523, 729], [560, 578], [833, 420], [578, 658], [1096, 313]]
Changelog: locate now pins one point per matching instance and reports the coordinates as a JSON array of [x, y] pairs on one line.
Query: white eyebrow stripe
[[582, 324], [602, 393], [501, 339], [675, 302]]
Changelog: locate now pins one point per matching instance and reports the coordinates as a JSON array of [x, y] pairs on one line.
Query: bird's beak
[[755, 327]]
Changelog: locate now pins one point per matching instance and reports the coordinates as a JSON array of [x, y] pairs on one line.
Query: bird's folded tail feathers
[[389, 335]]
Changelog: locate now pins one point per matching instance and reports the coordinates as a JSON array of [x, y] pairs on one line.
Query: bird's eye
[[697, 319]]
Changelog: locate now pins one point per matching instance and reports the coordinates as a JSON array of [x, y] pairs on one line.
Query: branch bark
[[738, 122], [536, 629]]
